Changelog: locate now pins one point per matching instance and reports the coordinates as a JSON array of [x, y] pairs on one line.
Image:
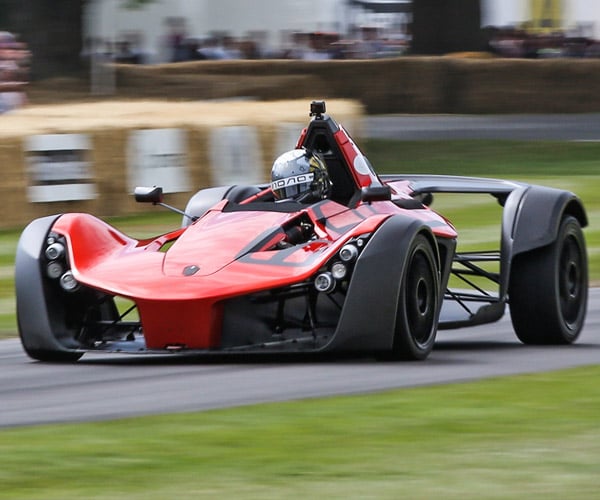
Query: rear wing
[[424, 184], [530, 219]]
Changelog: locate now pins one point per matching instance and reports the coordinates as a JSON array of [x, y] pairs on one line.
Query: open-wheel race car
[[329, 256]]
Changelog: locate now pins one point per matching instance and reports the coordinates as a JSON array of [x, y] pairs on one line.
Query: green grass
[[507, 159], [574, 166], [534, 436]]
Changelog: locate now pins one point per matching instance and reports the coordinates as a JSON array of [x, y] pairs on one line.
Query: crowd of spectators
[[14, 71], [517, 42], [317, 45], [362, 43], [308, 46]]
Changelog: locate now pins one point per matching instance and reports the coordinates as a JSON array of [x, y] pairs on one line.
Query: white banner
[[59, 168], [158, 157], [287, 137], [235, 156]]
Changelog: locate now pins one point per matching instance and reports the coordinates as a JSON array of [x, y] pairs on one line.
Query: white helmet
[[300, 175]]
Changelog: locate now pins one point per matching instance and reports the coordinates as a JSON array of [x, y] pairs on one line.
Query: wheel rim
[[420, 298], [571, 280]]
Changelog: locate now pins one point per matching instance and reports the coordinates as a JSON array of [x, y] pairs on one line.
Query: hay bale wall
[[109, 126], [401, 85]]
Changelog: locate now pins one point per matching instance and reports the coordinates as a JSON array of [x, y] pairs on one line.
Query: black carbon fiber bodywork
[[368, 319], [32, 308], [531, 218]]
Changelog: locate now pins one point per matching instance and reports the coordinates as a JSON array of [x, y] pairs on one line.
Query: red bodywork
[[179, 293], [186, 309]]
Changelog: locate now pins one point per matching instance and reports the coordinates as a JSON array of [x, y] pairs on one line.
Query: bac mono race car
[[370, 268]]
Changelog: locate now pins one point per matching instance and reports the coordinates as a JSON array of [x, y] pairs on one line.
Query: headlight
[[339, 270], [68, 282], [349, 252], [54, 251], [324, 282], [54, 269]]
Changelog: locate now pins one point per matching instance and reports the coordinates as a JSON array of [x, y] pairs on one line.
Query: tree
[[52, 30], [441, 27]]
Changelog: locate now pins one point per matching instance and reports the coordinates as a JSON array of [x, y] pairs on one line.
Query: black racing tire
[[53, 356], [548, 289], [46, 355], [418, 303]]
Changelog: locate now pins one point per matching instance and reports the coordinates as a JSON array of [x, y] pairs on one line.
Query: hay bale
[[109, 163], [460, 83], [14, 207], [109, 124], [111, 115], [524, 86], [198, 157]]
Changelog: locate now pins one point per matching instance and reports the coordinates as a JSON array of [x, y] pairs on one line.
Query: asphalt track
[[100, 387], [563, 127]]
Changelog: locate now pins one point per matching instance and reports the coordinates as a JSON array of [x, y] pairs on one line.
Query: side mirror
[[376, 193], [148, 194]]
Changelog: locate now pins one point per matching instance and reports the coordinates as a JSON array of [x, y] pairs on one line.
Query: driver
[[300, 175]]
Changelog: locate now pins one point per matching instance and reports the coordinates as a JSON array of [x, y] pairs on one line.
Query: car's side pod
[[531, 219], [368, 320]]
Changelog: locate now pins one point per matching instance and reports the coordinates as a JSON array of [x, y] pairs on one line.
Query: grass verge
[[532, 436], [574, 166]]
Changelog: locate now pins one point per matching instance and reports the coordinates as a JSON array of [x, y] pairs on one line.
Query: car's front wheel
[[548, 289], [53, 356], [417, 311]]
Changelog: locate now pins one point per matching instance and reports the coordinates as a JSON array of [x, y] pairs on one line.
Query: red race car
[[329, 256]]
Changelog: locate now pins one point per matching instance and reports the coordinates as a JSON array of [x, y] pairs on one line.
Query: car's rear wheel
[[417, 311], [548, 289]]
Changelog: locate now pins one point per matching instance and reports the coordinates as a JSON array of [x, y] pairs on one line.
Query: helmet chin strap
[[305, 196]]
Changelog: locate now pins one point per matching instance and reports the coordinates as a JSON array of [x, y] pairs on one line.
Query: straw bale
[[111, 115], [14, 182], [109, 123], [198, 158], [109, 164], [460, 83], [524, 86]]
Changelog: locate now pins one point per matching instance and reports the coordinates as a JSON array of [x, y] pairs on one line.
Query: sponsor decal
[[361, 165], [292, 181]]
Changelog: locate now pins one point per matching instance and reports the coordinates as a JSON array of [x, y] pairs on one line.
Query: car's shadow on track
[[220, 358], [483, 345], [444, 346]]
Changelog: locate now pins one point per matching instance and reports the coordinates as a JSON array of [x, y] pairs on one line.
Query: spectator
[[14, 71], [176, 39]]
